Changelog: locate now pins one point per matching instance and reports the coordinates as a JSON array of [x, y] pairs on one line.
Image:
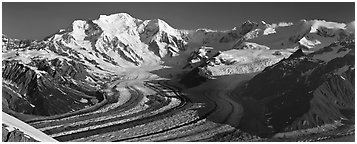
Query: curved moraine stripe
[[167, 115]]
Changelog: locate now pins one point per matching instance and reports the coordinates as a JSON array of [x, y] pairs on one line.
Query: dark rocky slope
[[299, 92], [47, 87]]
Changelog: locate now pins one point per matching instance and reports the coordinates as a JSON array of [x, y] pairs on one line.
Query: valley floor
[[150, 108]]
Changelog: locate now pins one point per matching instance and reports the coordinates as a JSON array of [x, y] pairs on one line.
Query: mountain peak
[[163, 25], [112, 17]]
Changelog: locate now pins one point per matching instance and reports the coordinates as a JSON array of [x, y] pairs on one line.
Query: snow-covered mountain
[[125, 41], [119, 40], [266, 44], [79, 59], [311, 34]]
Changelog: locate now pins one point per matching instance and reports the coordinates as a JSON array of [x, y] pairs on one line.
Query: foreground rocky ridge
[[14, 135]]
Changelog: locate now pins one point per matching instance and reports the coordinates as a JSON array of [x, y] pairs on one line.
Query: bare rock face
[[299, 92], [15, 135]]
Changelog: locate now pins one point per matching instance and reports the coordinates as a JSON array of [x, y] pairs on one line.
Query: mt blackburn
[[93, 63], [120, 41]]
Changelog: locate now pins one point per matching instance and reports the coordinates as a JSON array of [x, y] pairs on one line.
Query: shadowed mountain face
[[47, 87], [300, 92]]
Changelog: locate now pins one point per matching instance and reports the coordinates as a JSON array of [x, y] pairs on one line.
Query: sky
[[36, 20]]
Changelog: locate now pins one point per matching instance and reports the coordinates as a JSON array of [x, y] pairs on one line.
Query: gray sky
[[37, 20]]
